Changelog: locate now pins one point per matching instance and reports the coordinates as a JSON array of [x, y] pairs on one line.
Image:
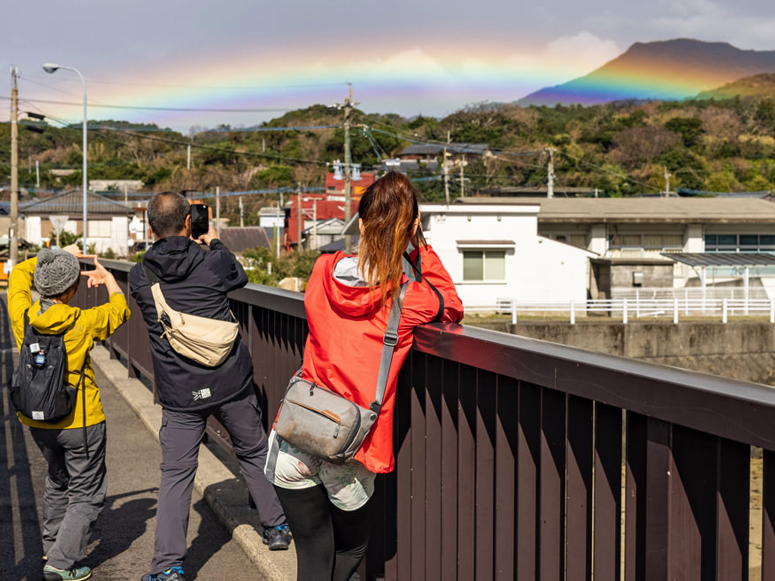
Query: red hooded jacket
[[347, 325]]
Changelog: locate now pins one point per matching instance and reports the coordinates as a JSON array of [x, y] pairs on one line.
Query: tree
[[641, 145], [689, 128]]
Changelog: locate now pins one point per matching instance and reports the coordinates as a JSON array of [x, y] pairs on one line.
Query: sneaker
[[173, 574], [53, 574], [278, 538]]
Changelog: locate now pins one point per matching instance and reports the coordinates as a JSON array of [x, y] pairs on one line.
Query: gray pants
[[180, 435], [75, 490]]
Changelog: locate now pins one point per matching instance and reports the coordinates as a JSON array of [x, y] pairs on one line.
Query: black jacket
[[197, 282]]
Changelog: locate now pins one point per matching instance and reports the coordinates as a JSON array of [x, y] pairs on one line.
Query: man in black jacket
[[197, 281]]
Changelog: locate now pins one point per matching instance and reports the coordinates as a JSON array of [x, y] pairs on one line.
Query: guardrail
[[521, 459], [625, 309]]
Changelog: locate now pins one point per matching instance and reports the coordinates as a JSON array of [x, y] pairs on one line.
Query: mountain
[[667, 70], [757, 86]]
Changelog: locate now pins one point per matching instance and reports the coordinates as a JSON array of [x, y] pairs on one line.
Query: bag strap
[[418, 277], [389, 342]]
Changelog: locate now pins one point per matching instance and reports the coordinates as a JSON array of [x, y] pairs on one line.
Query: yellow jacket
[[80, 327]]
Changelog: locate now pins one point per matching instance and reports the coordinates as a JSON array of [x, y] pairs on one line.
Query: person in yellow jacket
[[76, 481]]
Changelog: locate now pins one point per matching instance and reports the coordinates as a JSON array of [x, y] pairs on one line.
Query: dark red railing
[[521, 459]]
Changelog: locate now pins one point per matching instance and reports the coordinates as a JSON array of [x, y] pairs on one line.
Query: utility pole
[[37, 173], [463, 164], [188, 157], [348, 105], [445, 168], [667, 183], [298, 215], [218, 206], [12, 235], [241, 209], [550, 173]]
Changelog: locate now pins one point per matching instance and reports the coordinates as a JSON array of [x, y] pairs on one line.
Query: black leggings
[[330, 542]]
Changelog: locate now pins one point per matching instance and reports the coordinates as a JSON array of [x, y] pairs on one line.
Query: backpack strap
[[389, 342]]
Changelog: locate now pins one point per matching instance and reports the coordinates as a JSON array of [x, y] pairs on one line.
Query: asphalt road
[[122, 540]]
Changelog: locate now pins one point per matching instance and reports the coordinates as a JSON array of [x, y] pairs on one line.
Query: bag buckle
[[390, 339]]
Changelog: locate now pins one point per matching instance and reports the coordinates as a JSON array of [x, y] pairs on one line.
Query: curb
[[225, 495]]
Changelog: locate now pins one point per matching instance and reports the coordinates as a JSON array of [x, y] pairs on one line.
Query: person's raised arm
[[99, 276]]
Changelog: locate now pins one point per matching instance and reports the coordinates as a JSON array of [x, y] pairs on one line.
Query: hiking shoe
[[278, 538], [53, 574], [173, 574]]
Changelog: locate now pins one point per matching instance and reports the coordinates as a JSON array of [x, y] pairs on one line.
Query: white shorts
[[349, 486]]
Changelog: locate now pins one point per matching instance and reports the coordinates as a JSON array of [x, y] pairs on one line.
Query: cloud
[[708, 20], [408, 64], [567, 57]]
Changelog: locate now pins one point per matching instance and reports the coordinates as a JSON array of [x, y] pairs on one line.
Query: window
[[484, 265], [739, 243]]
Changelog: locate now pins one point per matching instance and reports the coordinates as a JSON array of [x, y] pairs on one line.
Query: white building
[[494, 253], [647, 227], [108, 227]]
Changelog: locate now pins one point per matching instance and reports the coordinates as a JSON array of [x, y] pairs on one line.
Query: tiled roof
[[433, 149], [241, 239], [71, 202]]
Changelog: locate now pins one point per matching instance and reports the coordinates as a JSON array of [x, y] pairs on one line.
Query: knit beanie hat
[[55, 272]]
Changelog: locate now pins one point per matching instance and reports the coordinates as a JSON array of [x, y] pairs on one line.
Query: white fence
[[626, 309]]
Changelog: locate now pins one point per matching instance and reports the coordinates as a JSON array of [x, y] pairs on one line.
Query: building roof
[[438, 149], [71, 202], [644, 210], [241, 239], [722, 258]]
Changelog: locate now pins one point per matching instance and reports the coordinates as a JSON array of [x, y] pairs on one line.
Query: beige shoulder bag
[[203, 340]]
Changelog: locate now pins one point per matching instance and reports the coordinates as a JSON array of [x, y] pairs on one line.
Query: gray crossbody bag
[[323, 423]]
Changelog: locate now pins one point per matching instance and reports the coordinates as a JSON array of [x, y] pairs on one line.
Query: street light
[[52, 68]]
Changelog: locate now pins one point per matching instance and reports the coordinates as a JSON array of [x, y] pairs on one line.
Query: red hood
[[351, 298]]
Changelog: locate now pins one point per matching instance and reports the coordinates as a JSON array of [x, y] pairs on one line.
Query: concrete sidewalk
[[225, 493]]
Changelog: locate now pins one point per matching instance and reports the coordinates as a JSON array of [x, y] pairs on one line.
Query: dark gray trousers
[[180, 435], [75, 490]]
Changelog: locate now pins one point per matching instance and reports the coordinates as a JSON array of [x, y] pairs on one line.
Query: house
[[428, 152], [108, 227], [336, 186], [649, 228], [494, 253], [271, 217], [305, 210], [237, 240]]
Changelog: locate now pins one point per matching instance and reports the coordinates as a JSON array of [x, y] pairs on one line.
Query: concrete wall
[[744, 351]]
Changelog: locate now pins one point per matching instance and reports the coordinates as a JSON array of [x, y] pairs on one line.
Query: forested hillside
[[621, 148]]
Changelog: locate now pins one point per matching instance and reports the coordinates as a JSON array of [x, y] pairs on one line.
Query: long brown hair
[[388, 209]]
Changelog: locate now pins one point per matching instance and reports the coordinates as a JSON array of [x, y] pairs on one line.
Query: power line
[[141, 108], [209, 87]]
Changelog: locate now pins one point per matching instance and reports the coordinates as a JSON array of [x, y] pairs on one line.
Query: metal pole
[[218, 206], [241, 213], [13, 246], [37, 173], [348, 103], [188, 157], [724, 311], [572, 313], [675, 311], [85, 165], [624, 311], [550, 174], [298, 215]]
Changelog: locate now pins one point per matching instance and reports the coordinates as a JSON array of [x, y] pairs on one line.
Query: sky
[[201, 63]]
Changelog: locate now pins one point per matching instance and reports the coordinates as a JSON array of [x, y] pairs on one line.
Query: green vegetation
[[621, 148]]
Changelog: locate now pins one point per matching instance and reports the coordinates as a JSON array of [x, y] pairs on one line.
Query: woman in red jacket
[[348, 301]]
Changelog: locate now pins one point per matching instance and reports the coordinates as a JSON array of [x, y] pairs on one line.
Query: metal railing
[[627, 309], [522, 459]]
